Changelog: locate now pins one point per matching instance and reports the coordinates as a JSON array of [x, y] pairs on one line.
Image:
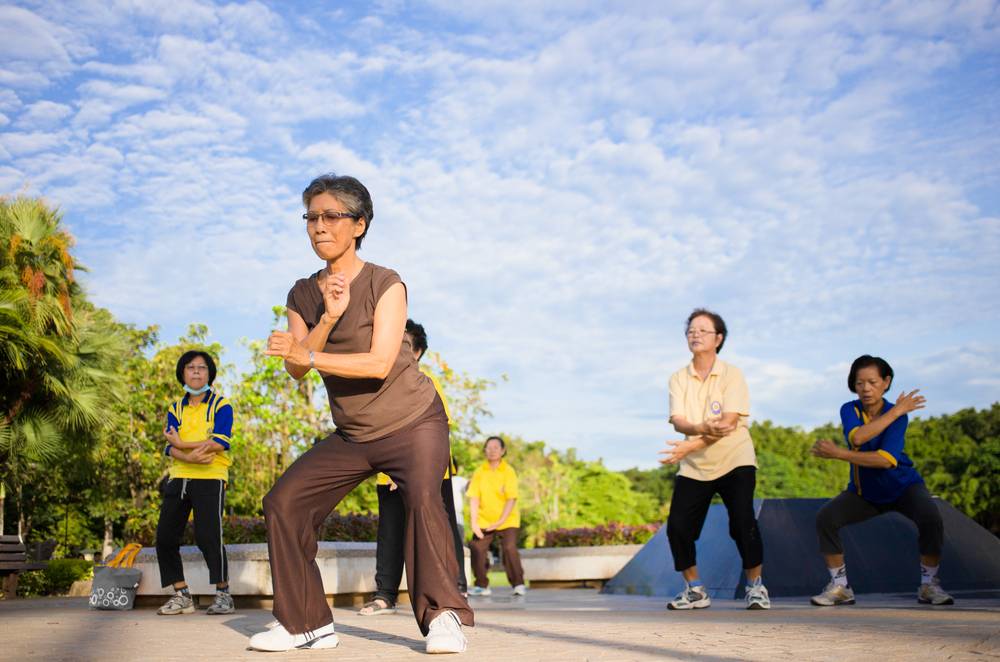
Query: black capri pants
[[848, 508], [689, 507]]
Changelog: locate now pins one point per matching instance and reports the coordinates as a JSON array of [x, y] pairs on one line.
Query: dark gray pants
[[848, 508]]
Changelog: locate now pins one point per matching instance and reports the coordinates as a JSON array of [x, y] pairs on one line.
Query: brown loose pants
[[480, 548], [415, 458]]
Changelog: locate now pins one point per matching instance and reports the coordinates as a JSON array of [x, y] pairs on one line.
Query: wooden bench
[[13, 561]]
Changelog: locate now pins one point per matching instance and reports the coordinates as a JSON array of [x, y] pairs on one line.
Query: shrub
[[55, 579], [352, 527], [612, 533]]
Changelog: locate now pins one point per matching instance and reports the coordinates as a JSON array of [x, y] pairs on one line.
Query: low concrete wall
[[576, 564], [348, 568]]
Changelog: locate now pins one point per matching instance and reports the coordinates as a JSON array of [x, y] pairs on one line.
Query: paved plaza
[[549, 624]]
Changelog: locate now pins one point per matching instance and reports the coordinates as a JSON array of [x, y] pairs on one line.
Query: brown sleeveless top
[[365, 409]]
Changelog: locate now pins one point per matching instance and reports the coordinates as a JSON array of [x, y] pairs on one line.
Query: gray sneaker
[[933, 594], [177, 604], [757, 597], [445, 634], [223, 604], [693, 597], [834, 595]]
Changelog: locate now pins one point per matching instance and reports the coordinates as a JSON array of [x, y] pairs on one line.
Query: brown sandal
[[377, 607]]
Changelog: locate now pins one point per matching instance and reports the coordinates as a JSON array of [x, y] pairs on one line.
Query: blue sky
[[559, 184]]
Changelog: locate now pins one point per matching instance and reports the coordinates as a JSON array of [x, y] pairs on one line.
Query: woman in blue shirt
[[882, 479]]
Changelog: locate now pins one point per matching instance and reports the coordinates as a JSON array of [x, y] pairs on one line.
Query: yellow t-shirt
[[209, 420], [724, 391], [493, 487], [381, 478]]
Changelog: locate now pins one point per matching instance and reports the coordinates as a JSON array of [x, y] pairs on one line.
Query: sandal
[[377, 607]]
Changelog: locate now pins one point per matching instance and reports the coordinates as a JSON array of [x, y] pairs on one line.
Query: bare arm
[[314, 340], [474, 517], [828, 449], [508, 507], [699, 436], [387, 336]]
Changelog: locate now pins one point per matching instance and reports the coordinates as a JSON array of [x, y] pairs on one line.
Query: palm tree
[[54, 361]]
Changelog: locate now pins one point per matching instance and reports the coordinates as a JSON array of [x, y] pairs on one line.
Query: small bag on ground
[[115, 584]]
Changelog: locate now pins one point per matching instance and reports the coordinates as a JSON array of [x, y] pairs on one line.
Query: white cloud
[[558, 185], [43, 115]]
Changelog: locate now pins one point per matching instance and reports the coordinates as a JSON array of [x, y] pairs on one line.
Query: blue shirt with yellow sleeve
[[879, 485], [209, 420]]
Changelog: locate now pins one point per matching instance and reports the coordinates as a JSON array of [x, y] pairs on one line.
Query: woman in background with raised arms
[[882, 479], [347, 322]]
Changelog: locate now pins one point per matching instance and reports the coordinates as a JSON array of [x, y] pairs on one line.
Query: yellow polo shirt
[[381, 478], [209, 420], [493, 487], [724, 391]]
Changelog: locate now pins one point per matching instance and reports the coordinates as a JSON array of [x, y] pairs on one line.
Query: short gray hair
[[349, 191]]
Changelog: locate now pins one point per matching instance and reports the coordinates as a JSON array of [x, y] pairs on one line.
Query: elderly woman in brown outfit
[[347, 322]]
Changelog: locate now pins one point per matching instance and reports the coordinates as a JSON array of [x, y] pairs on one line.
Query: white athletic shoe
[[834, 595], [480, 591], [933, 594], [520, 589], [445, 634], [177, 604], [693, 597], [757, 597], [278, 639]]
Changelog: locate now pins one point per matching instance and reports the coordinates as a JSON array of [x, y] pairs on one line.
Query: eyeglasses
[[329, 217], [196, 368], [694, 333]]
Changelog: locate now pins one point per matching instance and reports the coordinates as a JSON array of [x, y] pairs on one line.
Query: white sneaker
[[178, 603], [693, 597], [933, 594], [278, 639], [834, 595], [445, 634], [480, 591], [520, 589], [757, 597]]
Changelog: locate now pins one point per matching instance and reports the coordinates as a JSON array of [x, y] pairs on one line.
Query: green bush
[[612, 533], [55, 579]]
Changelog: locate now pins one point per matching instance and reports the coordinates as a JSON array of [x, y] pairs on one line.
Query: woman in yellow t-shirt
[[709, 405], [493, 512]]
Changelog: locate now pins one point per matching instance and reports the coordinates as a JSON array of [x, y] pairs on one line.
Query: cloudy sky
[[558, 183]]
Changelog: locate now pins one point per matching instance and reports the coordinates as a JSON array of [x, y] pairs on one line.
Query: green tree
[[58, 359]]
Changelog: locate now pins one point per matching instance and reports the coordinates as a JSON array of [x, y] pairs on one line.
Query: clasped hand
[[284, 344], [678, 450], [200, 454], [826, 449]]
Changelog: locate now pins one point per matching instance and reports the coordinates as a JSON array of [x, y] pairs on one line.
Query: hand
[[476, 531], [336, 294], [907, 402], [491, 527], [393, 486], [201, 454], [677, 451], [172, 437], [718, 428], [284, 344], [826, 448]]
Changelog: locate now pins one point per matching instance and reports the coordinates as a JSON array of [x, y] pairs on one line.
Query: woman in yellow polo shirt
[[493, 512], [198, 432], [709, 405]]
